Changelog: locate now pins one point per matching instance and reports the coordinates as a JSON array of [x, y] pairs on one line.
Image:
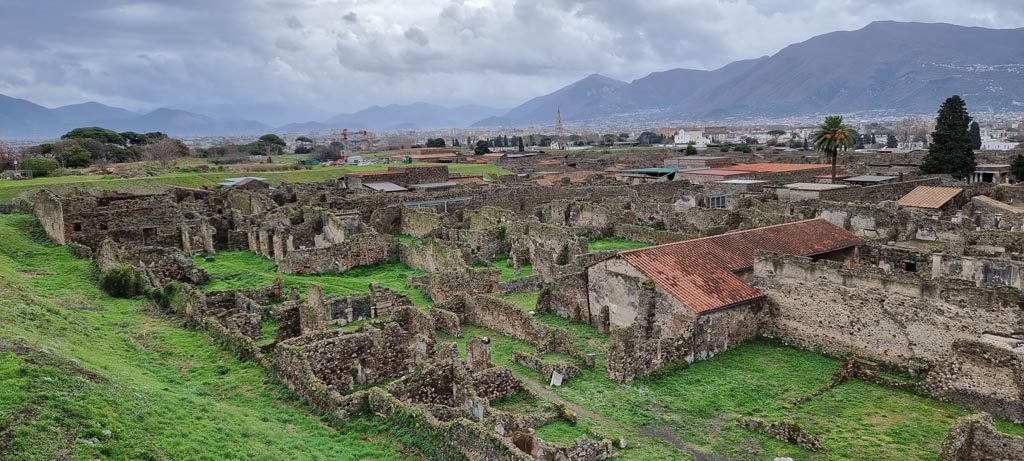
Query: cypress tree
[[521, 147], [951, 151], [975, 135]]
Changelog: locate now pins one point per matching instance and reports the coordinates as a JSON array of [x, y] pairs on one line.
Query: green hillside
[[84, 376]]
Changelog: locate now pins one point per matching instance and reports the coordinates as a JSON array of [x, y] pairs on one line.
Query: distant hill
[[21, 119], [903, 67], [413, 116], [573, 100]]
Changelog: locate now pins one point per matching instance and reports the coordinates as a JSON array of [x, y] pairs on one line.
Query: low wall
[[975, 438], [360, 250]]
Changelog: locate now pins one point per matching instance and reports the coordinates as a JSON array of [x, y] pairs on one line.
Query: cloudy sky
[[288, 60]]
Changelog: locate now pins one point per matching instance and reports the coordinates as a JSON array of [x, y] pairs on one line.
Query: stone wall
[[449, 284], [878, 193], [434, 255], [975, 438], [360, 250], [985, 374], [508, 318], [893, 317], [419, 222]]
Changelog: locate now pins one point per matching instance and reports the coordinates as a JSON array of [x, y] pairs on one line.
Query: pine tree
[[950, 151], [975, 135]]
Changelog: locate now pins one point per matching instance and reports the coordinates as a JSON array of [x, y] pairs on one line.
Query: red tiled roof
[[715, 172], [929, 196], [699, 272], [776, 167]]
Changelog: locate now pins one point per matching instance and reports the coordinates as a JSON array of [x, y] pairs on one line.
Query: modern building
[[692, 136]]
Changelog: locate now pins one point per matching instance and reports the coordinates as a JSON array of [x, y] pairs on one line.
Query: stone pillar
[[279, 248], [206, 232], [264, 239], [478, 354], [936, 265], [186, 240], [313, 313]]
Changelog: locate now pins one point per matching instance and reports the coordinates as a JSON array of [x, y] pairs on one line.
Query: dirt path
[[550, 395]]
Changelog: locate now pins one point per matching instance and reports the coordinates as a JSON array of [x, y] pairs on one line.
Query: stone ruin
[[956, 295]]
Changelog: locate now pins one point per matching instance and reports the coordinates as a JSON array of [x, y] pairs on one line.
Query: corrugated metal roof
[[433, 185], [658, 170], [699, 272], [384, 186], [929, 196]]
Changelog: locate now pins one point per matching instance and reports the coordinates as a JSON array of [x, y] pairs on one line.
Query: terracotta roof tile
[[715, 172], [700, 272], [929, 196], [776, 167]]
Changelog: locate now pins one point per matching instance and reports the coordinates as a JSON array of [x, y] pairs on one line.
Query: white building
[[998, 145], [692, 136]]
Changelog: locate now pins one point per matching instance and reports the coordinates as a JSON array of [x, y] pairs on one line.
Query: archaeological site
[[594, 314]]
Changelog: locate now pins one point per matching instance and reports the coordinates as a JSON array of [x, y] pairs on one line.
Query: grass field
[[616, 244], [84, 376], [11, 190]]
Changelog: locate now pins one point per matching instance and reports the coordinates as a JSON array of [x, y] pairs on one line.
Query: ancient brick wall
[[510, 319], [892, 317]]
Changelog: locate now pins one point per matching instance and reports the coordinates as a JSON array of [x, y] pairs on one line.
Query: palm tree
[[832, 137]]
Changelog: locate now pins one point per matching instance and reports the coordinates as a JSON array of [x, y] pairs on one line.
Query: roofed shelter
[[696, 291]]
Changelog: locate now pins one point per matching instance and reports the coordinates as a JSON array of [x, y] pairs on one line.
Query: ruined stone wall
[[50, 211], [980, 270], [508, 318], [419, 222], [435, 255], [892, 317], [985, 374], [449, 284], [647, 234], [975, 438], [360, 250], [567, 296], [878, 193]]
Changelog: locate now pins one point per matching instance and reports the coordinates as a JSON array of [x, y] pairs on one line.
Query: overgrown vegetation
[[234, 270], [121, 281], [615, 244], [87, 376]]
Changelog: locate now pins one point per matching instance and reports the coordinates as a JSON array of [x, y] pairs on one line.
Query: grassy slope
[[93, 377], [10, 190]]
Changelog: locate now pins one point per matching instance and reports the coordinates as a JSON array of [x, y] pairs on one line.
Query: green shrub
[[121, 281], [39, 166]]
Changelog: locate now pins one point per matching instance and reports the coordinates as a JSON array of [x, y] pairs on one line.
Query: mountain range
[[21, 119], [893, 66], [886, 66]]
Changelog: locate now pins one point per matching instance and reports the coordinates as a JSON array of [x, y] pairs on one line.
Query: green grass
[[93, 364], [235, 270], [616, 244], [11, 190], [508, 271], [560, 431]]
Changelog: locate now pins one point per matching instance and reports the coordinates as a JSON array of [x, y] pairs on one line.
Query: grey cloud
[[343, 55], [417, 36]]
